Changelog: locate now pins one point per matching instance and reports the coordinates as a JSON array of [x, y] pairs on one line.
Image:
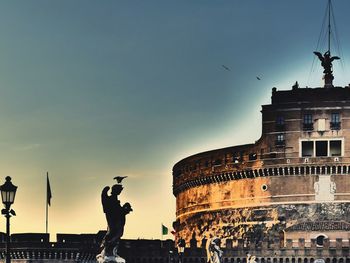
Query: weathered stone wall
[[256, 191], [255, 224]]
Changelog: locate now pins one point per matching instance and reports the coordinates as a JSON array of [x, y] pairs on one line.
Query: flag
[[48, 191], [164, 230]]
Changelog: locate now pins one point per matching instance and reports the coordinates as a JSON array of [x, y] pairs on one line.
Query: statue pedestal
[[328, 80], [101, 258]]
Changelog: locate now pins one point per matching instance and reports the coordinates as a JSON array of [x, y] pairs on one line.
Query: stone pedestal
[[104, 259], [328, 80]]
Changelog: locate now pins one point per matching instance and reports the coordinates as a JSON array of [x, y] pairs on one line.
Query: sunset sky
[[94, 89]]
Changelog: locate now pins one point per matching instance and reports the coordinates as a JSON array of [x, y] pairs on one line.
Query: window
[[253, 156], [307, 148], [321, 148], [236, 157], [308, 122], [320, 240], [280, 125], [280, 120], [308, 119], [324, 148], [264, 187], [218, 162], [280, 140], [335, 148], [335, 121], [335, 118]]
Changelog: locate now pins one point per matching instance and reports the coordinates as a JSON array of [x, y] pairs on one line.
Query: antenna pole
[[329, 26], [47, 203]]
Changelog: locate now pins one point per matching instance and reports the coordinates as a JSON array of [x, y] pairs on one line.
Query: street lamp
[[8, 193]]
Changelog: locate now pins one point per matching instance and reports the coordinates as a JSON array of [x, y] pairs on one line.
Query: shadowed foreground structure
[[82, 248]]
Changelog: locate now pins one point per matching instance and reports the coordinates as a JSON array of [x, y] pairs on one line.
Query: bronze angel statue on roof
[[326, 61]]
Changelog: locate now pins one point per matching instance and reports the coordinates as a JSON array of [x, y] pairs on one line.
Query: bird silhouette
[[225, 67], [119, 178], [258, 78]]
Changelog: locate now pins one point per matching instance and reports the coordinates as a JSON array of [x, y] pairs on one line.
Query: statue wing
[[319, 55], [105, 190], [334, 58], [104, 198]]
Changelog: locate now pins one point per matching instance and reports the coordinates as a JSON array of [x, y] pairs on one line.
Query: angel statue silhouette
[[115, 216], [326, 61]]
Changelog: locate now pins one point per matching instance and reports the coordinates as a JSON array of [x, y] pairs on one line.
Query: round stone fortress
[[292, 183]]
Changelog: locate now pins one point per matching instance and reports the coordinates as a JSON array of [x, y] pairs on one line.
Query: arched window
[[320, 240], [312, 169], [307, 170], [333, 170], [318, 170], [286, 171], [270, 172], [291, 172]]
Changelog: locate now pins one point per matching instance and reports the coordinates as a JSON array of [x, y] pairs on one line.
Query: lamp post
[[8, 193]]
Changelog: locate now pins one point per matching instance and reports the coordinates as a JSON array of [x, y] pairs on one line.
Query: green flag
[[164, 230]]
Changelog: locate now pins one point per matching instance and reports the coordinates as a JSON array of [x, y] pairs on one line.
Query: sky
[[94, 89]]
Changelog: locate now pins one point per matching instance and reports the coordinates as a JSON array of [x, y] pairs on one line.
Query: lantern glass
[[8, 192], [3, 196]]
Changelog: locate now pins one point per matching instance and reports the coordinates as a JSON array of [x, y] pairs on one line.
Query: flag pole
[[161, 229], [47, 203]]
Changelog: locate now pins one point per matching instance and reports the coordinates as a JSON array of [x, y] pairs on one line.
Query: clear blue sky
[[94, 89]]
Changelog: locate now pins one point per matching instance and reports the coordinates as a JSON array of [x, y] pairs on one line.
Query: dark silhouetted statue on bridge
[[115, 216]]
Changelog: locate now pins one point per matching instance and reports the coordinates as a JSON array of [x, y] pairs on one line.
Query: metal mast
[[329, 26], [326, 59]]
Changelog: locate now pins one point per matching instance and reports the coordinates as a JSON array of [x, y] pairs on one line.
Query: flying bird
[[119, 178], [225, 67], [258, 78]]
